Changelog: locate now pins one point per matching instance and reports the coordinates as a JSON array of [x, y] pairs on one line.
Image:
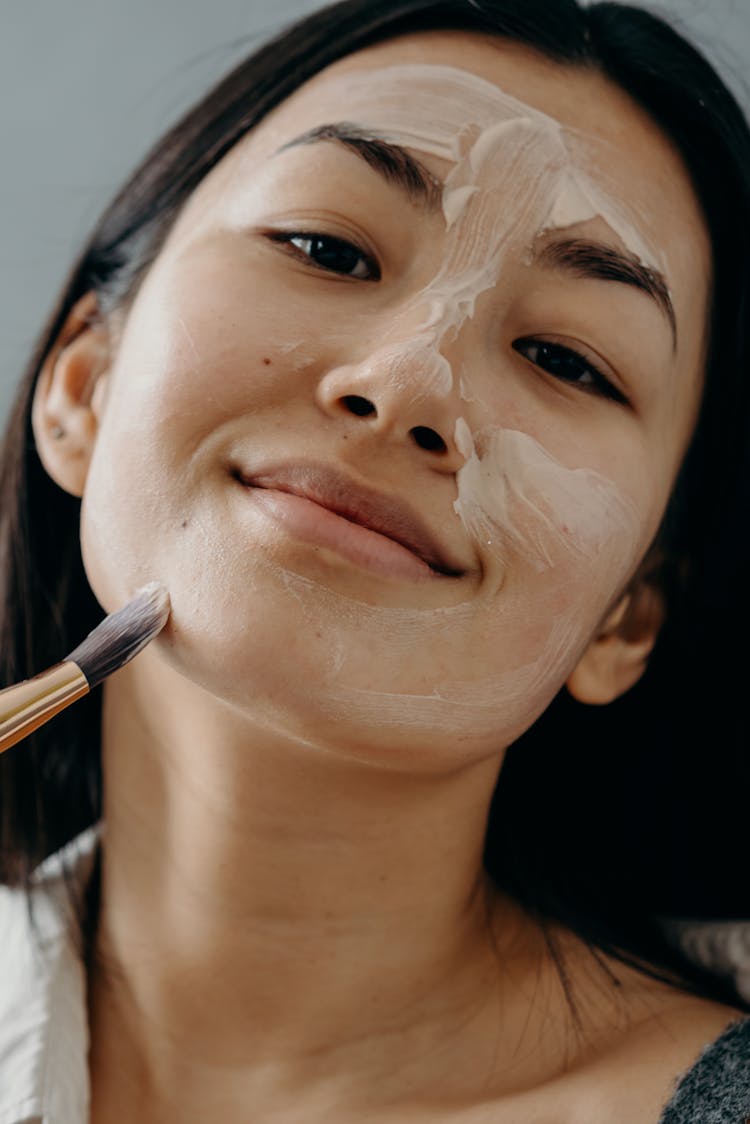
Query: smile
[[321, 506]]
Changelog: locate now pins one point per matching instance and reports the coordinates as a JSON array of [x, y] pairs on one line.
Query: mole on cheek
[[266, 361]]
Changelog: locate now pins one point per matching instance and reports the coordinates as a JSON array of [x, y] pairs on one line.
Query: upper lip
[[333, 489]]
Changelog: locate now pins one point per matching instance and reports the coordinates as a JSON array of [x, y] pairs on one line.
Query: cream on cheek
[[561, 537], [514, 175], [515, 496], [464, 678]]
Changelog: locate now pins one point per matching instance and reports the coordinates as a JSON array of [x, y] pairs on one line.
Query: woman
[[412, 363]]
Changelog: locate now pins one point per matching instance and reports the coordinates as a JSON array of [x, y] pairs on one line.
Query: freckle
[[266, 361], [184, 523]]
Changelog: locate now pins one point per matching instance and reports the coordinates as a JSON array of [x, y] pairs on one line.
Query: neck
[[268, 901]]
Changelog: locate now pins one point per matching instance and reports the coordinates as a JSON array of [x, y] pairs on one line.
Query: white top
[[44, 1038], [44, 1034]]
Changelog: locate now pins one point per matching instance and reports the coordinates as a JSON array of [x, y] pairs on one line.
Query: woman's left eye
[[335, 255], [569, 366]]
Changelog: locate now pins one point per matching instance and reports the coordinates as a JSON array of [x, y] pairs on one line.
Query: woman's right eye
[[334, 255]]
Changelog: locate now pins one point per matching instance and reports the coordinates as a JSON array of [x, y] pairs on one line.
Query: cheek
[[557, 544], [210, 337], [190, 375], [202, 365], [519, 503]]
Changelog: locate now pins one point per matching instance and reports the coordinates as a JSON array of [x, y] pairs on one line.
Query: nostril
[[428, 439], [362, 407]]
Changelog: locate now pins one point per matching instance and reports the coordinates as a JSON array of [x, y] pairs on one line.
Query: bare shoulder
[[690, 1021], [639, 1074], [632, 1076]]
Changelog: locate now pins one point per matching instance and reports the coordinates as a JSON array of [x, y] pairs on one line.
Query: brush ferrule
[[28, 705]]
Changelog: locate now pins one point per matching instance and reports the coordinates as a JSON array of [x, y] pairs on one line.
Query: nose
[[403, 392]]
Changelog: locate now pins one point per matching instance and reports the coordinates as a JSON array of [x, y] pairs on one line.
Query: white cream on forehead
[[558, 532], [514, 176], [515, 173], [433, 108]]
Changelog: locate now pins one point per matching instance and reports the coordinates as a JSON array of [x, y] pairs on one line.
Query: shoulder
[[680, 1066], [674, 1065], [43, 1014], [668, 1067], [716, 1087]]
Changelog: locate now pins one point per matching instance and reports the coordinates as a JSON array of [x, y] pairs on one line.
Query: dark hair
[[606, 819]]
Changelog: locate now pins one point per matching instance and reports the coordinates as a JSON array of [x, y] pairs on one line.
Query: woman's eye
[[569, 366], [332, 254]]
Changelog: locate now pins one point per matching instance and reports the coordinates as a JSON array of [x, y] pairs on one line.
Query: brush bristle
[[122, 635]]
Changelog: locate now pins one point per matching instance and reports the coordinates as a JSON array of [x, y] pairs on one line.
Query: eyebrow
[[581, 257], [389, 160], [602, 262]]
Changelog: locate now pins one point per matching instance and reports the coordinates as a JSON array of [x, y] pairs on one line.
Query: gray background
[[88, 85]]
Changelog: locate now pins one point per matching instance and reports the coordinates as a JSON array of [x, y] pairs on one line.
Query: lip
[[329, 488]]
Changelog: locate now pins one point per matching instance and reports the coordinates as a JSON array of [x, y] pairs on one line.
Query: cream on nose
[[401, 388]]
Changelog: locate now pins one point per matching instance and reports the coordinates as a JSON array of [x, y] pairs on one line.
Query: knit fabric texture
[[717, 1088]]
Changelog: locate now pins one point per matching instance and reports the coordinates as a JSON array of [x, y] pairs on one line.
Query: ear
[[69, 396], [617, 656]]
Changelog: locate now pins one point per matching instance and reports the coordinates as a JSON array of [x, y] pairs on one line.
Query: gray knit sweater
[[716, 1090]]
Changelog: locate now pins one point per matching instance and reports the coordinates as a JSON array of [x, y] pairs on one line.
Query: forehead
[[626, 149], [639, 158]]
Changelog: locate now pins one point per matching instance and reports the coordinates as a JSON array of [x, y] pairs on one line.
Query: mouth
[[326, 507]]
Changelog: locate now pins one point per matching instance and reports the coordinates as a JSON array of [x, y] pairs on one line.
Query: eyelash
[[287, 238], [555, 352], [552, 353]]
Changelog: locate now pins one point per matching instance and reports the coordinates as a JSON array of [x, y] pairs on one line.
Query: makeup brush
[[119, 637]]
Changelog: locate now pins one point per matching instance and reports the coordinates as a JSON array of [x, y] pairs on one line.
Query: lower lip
[[308, 522]]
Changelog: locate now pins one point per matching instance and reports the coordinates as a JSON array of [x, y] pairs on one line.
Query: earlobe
[[618, 655], [68, 397]]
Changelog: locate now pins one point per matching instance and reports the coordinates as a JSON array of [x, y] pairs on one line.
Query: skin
[[264, 849]]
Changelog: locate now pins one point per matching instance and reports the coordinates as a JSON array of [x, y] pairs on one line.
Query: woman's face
[[481, 347]]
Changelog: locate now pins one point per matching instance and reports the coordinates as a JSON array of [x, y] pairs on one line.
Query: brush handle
[[28, 705]]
